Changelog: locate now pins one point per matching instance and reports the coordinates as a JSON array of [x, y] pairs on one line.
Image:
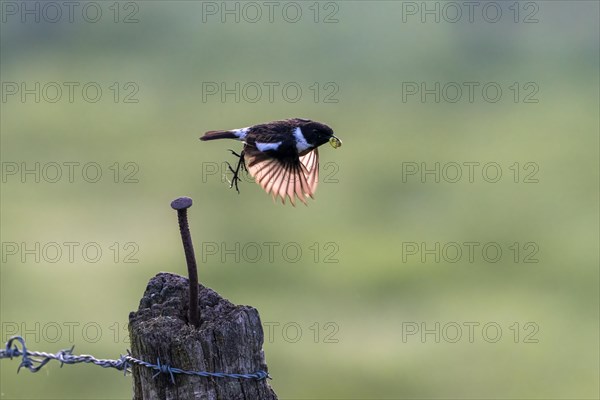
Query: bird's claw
[[234, 153], [236, 172]]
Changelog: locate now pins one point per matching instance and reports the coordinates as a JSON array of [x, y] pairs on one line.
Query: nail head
[[181, 203]]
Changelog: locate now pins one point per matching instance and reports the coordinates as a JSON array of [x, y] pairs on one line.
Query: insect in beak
[[335, 142]]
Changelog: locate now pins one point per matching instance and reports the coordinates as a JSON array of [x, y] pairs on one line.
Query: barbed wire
[[35, 360]]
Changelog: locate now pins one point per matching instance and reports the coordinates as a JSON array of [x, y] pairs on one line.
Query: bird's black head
[[317, 134]]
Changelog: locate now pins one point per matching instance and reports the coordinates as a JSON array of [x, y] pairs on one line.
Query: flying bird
[[281, 156]]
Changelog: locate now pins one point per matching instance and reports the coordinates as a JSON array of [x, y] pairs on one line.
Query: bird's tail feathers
[[212, 135]]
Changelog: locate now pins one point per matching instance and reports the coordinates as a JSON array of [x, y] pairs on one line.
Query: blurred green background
[[334, 330]]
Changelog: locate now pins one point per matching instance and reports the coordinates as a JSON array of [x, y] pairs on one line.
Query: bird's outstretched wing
[[311, 162], [284, 178]]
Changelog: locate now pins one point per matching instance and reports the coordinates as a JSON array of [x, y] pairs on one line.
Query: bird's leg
[[240, 165]]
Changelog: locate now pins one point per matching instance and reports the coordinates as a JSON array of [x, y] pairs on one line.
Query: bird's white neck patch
[[241, 133], [301, 143], [267, 146]]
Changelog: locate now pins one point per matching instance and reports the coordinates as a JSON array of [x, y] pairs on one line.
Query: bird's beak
[[335, 142]]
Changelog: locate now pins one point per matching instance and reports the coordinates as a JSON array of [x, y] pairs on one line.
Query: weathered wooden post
[[228, 340]]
